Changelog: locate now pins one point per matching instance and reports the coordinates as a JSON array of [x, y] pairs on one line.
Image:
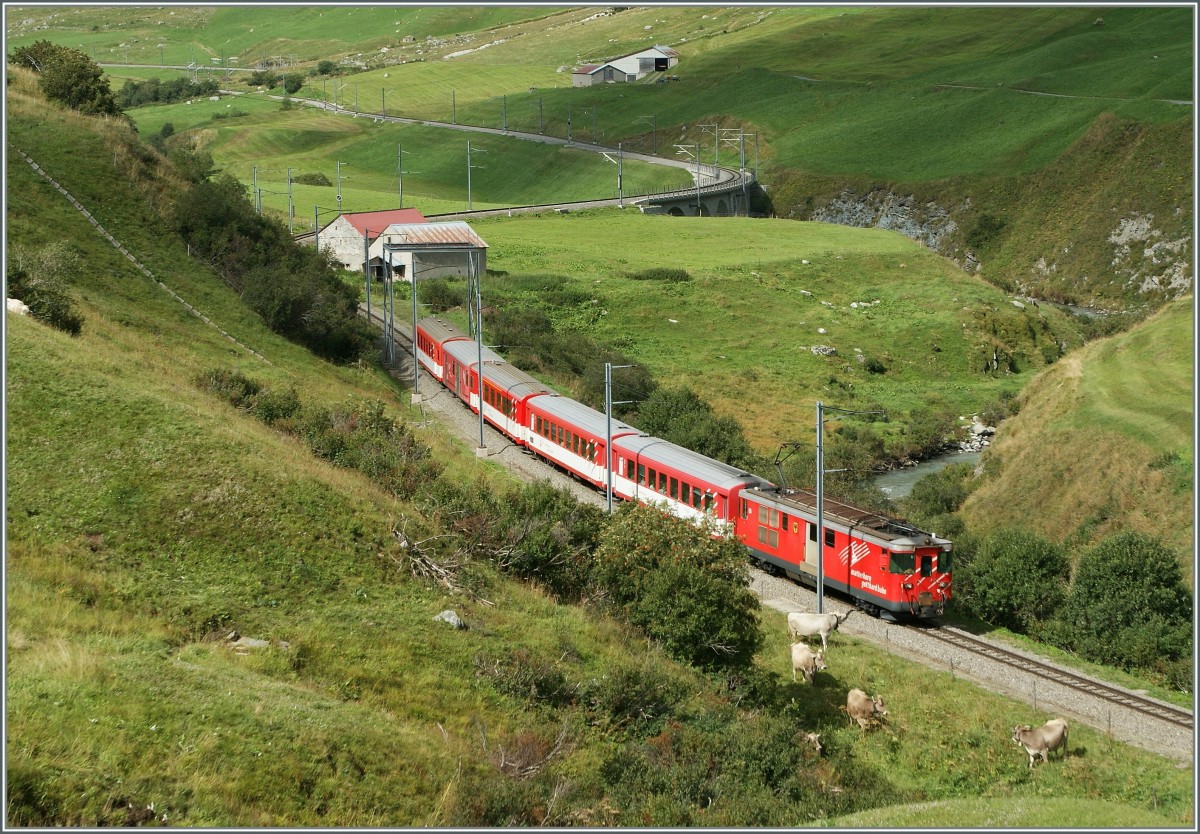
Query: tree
[[1017, 579], [326, 67], [72, 78], [1130, 605], [292, 82]]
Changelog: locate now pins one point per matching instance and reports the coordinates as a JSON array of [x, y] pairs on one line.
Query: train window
[[662, 482], [745, 508], [902, 563], [696, 497], [768, 536], [944, 561], [674, 493], [685, 493], [783, 522], [829, 538], [708, 502], [812, 533], [562, 433], [591, 453], [927, 565], [642, 474], [629, 469]]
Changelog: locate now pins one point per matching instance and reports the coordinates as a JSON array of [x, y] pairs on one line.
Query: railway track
[[1121, 697]]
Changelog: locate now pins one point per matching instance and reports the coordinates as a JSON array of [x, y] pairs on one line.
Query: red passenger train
[[887, 566]]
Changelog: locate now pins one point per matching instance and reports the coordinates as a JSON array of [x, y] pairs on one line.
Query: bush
[[39, 277], [681, 416], [1017, 579], [292, 82], [1130, 605], [661, 273], [439, 295], [683, 587], [312, 179], [326, 67]]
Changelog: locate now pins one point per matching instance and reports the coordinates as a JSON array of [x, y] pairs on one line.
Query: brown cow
[[864, 709], [1050, 736]]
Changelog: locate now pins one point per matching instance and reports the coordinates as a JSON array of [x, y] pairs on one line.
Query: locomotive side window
[[944, 561], [829, 539], [783, 522], [812, 533], [745, 508], [902, 563]]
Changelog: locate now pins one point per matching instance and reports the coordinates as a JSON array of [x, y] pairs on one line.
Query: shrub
[[439, 295], [681, 585], [292, 82], [660, 273], [312, 179], [326, 67], [1130, 605], [1017, 579], [681, 416], [39, 278], [636, 696]]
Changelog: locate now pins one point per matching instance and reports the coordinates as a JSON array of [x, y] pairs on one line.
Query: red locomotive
[[887, 566]]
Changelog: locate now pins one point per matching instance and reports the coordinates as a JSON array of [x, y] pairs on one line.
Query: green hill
[[1103, 442], [1049, 146], [147, 519]]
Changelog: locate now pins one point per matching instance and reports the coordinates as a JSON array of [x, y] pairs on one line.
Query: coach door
[[810, 545]]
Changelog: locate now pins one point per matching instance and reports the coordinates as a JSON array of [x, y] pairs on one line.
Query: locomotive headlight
[[908, 586], [943, 584]]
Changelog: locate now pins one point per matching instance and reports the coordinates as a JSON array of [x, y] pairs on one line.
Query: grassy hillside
[[761, 294], [1104, 441], [1061, 133], [246, 132], [147, 519]]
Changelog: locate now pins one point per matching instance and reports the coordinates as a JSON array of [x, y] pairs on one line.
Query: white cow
[[863, 708], [16, 305], [804, 661], [803, 624], [1050, 736]]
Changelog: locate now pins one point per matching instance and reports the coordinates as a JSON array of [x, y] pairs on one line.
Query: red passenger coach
[[461, 374], [506, 394], [887, 565], [683, 482], [432, 335], [573, 436]]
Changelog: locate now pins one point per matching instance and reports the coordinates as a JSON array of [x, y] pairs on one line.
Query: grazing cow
[[1050, 736], [16, 305], [863, 708], [803, 660], [803, 624]]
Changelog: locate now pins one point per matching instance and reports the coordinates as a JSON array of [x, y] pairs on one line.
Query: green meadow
[[761, 294]]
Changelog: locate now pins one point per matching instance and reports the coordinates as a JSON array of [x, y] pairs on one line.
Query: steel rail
[[1146, 706]]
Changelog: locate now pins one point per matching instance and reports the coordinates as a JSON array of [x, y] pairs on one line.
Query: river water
[[899, 482]]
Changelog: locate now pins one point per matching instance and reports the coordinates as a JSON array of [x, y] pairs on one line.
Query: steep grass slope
[[1104, 441]]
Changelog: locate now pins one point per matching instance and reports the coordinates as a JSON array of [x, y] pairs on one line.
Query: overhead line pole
[[608, 404]]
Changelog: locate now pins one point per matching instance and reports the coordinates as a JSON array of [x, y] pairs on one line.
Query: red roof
[[377, 221]]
